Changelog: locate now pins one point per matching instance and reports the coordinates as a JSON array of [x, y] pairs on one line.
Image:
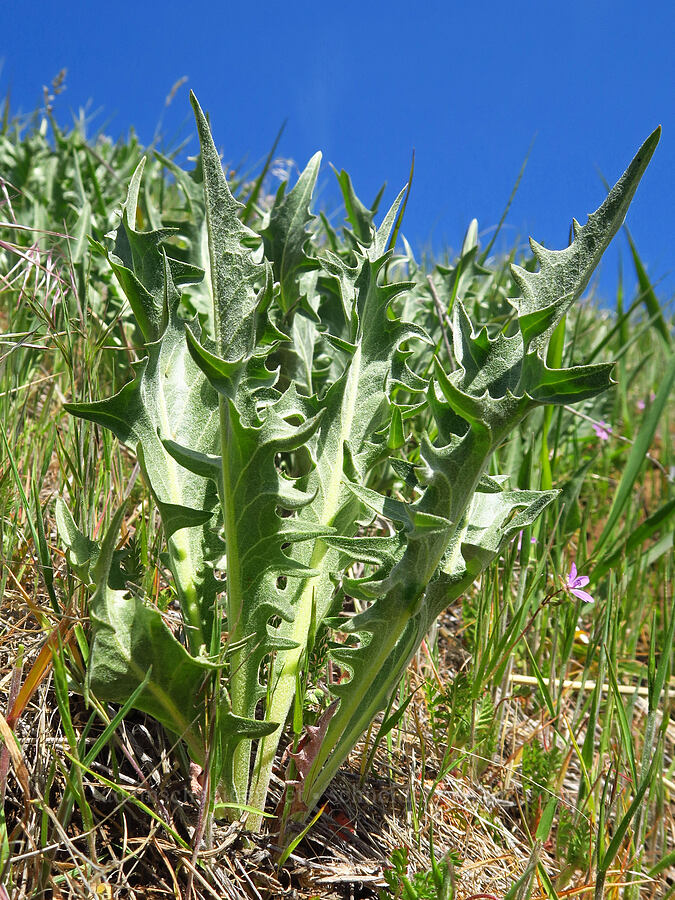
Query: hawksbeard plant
[[270, 436]]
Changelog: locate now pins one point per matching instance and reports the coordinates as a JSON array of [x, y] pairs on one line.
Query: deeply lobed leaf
[[266, 450]]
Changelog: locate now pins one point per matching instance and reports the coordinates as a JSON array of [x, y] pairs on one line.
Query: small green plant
[[540, 766], [461, 717], [272, 431], [437, 883], [573, 840]]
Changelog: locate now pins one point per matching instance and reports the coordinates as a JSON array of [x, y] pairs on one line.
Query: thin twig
[[619, 437], [196, 874], [588, 685]]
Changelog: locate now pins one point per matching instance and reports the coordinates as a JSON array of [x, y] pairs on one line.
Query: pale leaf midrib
[[285, 686]]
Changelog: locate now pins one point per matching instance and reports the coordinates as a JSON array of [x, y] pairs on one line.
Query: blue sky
[[470, 86]]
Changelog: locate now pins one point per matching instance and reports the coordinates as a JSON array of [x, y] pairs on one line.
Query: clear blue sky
[[470, 86]]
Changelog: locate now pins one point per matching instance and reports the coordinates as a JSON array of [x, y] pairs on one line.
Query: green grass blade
[[621, 829], [296, 840], [111, 727], [657, 676], [647, 294], [626, 736], [401, 212], [40, 547], [388, 725], [46, 566], [641, 534], [546, 694], [247, 211], [662, 865], [637, 455], [129, 797], [486, 253]]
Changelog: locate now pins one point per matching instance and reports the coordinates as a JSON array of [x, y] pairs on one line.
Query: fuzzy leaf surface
[[170, 399], [499, 380], [128, 638]]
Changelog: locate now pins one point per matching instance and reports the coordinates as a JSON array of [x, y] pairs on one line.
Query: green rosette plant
[[270, 439]]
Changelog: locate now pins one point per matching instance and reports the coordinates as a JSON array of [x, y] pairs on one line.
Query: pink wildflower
[[575, 582], [533, 540], [603, 430]]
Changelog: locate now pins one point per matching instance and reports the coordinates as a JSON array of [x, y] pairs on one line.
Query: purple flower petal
[[603, 430], [575, 582], [582, 595]]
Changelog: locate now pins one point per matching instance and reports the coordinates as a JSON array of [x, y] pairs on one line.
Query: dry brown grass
[[478, 820]]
